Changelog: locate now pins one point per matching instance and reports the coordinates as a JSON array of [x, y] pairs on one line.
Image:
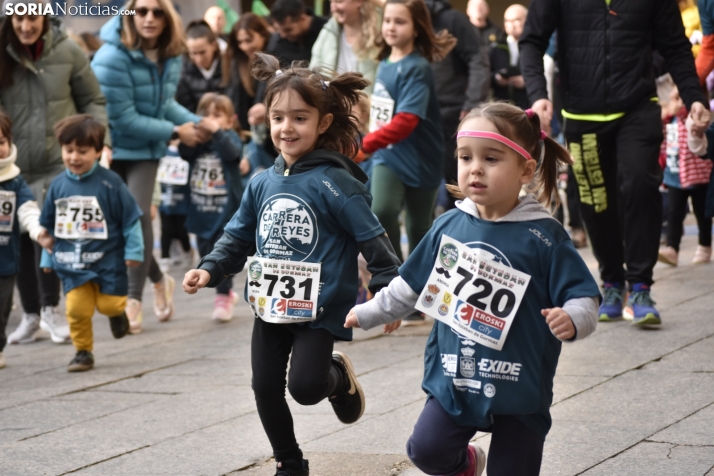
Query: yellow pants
[[81, 302]]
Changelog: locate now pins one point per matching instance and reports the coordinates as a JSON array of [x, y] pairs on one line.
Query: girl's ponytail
[[549, 155], [265, 67]]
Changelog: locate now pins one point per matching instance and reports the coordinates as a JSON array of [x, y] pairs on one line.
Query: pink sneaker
[[702, 255], [164, 298], [134, 314], [477, 461], [223, 307], [668, 255]]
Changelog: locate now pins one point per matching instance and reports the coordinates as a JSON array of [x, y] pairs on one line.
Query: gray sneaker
[[27, 331], [56, 324]]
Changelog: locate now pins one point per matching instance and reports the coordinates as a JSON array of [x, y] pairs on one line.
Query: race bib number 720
[[281, 291], [474, 295]]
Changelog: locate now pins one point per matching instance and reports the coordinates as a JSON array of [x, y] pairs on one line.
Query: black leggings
[[312, 377], [173, 227], [677, 212], [438, 445], [37, 288]]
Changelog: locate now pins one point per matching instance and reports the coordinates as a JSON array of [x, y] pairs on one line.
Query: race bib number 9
[[207, 177], [381, 112], [79, 217], [172, 171], [8, 200], [476, 296], [281, 291]]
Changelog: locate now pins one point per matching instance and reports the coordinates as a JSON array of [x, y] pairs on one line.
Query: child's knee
[[306, 393], [427, 454], [111, 306]]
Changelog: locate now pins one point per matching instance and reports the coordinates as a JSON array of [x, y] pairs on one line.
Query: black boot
[[119, 325], [292, 467], [84, 360]]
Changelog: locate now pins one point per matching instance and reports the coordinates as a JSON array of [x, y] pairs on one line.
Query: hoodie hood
[[437, 6], [319, 157], [527, 210], [111, 31]]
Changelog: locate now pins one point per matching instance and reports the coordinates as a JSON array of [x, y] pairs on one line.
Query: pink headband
[[497, 137]]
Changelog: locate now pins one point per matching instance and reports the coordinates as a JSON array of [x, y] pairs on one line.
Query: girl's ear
[[529, 170], [325, 123]]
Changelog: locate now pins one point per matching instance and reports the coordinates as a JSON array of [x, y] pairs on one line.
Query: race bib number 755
[[474, 295], [281, 291]]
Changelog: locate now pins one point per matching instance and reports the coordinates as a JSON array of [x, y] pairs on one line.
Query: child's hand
[[47, 270], [195, 280], [559, 322], [389, 328], [244, 167], [46, 241], [132, 263], [351, 320]]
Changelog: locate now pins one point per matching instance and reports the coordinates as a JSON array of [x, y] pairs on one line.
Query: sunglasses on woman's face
[[143, 11]]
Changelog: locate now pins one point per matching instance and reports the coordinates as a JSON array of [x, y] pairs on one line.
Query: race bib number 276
[[282, 291], [474, 295]]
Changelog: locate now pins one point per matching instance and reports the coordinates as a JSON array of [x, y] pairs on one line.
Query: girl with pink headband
[[506, 286]]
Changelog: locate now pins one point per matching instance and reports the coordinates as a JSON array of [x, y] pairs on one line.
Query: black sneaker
[[119, 325], [84, 360], [292, 468], [348, 402]]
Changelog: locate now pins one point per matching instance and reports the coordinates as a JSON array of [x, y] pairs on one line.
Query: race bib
[[281, 291], [172, 171], [8, 200], [207, 177], [672, 147], [79, 217], [476, 296], [381, 113]]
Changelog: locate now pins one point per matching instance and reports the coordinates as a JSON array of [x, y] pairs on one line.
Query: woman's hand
[[195, 280], [209, 125]]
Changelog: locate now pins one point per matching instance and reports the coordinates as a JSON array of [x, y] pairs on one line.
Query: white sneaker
[[165, 265], [164, 298], [134, 314], [2, 361], [56, 324], [27, 331], [702, 255]]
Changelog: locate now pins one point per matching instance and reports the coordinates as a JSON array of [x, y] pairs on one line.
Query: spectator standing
[[705, 58], [461, 79], [44, 77], [507, 81], [347, 42], [202, 69], [297, 30], [249, 35], [489, 33], [138, 69], [215, 17], [613, 128]]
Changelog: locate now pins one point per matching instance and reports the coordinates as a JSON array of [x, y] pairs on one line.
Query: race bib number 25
[[281, 291], [474, 295]]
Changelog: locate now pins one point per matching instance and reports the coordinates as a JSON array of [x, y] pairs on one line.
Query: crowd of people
[[297, 147]]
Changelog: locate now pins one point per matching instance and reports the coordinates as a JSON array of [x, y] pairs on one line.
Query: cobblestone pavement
[[176, 399]]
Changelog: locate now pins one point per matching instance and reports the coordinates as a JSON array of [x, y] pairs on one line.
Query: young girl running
[[507, 286], [405, 123], [216, 186], [306, 219]]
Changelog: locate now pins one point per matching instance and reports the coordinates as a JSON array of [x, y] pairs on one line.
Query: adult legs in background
[[419, 206], [39, 295], [7, 285], [387, 199], [312, 378], [676, 213], [699, 198], [140, 176], [576, 222]]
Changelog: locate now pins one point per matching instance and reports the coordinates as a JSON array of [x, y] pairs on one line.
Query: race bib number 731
[[281, 291], [474, 295]]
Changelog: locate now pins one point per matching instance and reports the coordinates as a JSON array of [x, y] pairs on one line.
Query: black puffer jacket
[[605, 52], [193, 85], [462, 78]]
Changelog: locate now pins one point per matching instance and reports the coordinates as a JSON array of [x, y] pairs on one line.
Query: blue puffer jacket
[[140, 100]]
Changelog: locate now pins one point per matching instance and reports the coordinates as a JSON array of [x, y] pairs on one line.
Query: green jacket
[[326, 50], [59, 84]]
